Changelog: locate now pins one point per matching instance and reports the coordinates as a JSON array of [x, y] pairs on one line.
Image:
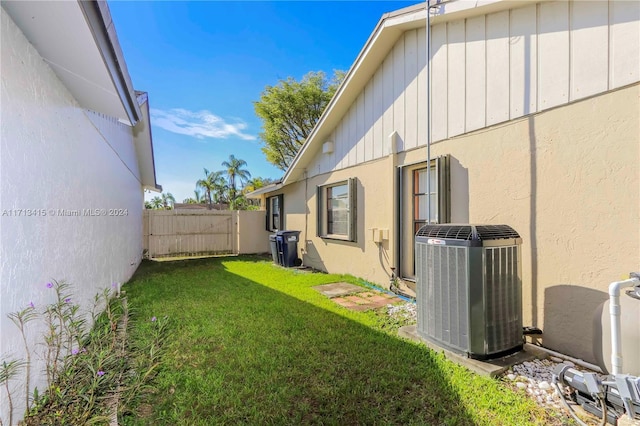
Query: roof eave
[[78, 41], [264, 190], [381, 40], [390, 27], [101, 25]]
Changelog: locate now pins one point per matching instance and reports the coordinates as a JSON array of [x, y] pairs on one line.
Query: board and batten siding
[[486, 70]]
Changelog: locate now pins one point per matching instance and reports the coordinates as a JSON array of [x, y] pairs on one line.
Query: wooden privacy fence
[[169, 233]]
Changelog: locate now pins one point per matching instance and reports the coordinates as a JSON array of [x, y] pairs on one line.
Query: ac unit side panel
[[458, 296], [421, 286], [503, 302], [442, 292], [477, 330]]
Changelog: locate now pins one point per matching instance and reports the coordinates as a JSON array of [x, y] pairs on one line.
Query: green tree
[[235, 172], [290, 110], [196, 199], [168, 200], [156, 203], [213, 186], [255, 183]]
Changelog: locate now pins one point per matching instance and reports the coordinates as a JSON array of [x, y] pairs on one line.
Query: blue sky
[[205, 63]]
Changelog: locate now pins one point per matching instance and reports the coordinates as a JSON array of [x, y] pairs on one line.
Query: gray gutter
[[101, 26]]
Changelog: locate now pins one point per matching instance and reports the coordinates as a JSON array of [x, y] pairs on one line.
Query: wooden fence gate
[[169, 233]]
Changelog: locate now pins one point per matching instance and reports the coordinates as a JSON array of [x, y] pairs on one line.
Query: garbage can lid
[[286, 232]]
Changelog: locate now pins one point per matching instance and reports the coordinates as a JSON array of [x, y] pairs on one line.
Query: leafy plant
[[92, 372], [8, 371]]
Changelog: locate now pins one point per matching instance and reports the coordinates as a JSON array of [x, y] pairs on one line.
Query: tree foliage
[[213, 186], [290, 110], [164, 202], [235, 170]]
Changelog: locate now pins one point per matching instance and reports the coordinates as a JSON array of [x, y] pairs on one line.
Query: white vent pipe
[[616, 325]]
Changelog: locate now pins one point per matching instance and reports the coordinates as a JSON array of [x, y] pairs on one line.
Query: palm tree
[[194, 200], [197, 196], [156, 202], [235, 170], [211, 185], [253, 184], [168, 200], [148, 205]]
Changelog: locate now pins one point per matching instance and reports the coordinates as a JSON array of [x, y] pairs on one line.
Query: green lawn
[[253, 343]]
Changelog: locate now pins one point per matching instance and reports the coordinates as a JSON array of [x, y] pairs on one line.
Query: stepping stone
[[338, 289]]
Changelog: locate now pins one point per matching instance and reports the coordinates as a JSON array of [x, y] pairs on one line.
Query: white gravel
[[532, 377], [406, 310]]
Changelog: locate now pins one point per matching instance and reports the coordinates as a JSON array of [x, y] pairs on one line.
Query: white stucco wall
[[56, 156]]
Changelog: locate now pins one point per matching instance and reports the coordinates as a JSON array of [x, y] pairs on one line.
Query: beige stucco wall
[[252, 237], [375, 207], [568, 180]]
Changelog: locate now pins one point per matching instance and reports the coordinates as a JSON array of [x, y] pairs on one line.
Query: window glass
[[336, 210], [274, 213]]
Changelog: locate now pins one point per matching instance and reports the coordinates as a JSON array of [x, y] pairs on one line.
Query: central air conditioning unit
[[469, 288]]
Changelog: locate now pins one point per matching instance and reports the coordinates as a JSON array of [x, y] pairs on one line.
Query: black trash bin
[[274, 248], [287, 245]]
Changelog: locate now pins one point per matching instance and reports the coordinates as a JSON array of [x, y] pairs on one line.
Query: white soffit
[[62, 36]]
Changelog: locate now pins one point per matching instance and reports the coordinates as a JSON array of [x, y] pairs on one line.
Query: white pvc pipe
[[576, 361], [616, 325]]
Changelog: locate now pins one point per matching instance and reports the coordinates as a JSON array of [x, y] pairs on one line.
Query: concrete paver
[[356, 298]]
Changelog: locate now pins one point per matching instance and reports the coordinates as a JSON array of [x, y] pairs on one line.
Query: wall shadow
[[564, 306], [311, 257], [459, 191], [533, 191]]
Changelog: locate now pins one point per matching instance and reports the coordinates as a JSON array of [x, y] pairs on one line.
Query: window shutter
[[281, 211], [444, 189], [353, 209], [268, 216], [319, 211]]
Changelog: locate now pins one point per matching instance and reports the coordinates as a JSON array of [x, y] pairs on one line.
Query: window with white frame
[[275, 218], [337, 210]]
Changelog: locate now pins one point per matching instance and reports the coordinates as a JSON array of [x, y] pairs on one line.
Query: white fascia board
[[143, 142]]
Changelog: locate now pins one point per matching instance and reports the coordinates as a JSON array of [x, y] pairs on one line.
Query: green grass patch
[[253, 343]]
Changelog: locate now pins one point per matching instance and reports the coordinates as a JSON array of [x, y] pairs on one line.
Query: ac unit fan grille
[[468, 232]]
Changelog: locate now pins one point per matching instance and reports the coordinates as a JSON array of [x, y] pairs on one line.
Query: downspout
[[306, 217], [396, 214], [428, 65], [616, 325]]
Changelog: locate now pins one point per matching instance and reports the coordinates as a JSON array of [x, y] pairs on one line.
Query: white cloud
[[200, 124]]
